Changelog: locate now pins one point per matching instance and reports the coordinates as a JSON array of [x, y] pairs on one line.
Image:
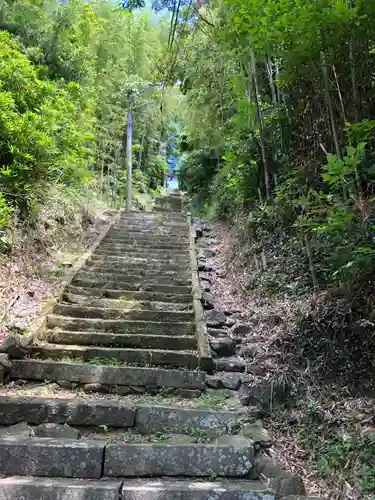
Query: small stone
[[209, 253], [233, 364], [122, 390], [95, 388], [266, 394], [223, 346], [16, 351], [205, 277], [50, 430], [230, 321], [244, 395], [65, 384], [205, 268], [215, 318], [255, 369], [266, 466], [288, 484], [26, 340], [188, 393], [257, 433], [241, 329], [214, 382], [208, 300], [231, 381], [7, 342], [137, 389], [5, 362], [217, 332], [20, 430]]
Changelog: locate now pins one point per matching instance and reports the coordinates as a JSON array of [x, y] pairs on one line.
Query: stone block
[[25, 488], [15, 409], [51, 457], [56, 431], [152, 419], [199, 460], [194, 490]]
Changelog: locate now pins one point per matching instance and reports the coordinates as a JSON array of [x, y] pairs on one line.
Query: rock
[[288, 484], [244, 395], [217, 332], [5, 362], [65, 384], [223, 346], [300, 497], [235, 440], [231, 381], [181, 439], [138, 389], [230, 321], [257, 433], [100, 388], [205, 277], [56, 431], [241, 329], [251, 350], [214, 382], [26, 340], [215, 318], [208, 300], [7, 342], [209, 253], [16, 351], [255, 369], [266, 466], [266, 394], [204, 268], [188, 393], [20, 430], [233, 364], [122, 390]]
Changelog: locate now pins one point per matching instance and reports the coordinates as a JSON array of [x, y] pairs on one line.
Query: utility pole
[[129, 159]]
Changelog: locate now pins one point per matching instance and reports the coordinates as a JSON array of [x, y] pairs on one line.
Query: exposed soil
[[38, 259]]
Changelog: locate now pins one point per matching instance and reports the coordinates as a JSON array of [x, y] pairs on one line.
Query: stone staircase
[[111, 402]]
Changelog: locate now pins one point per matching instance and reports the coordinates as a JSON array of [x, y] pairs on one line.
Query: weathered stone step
[[130, 278], [154, 357], [196, 460], [120, 326], [182, 298], [144, 252], [51, 457], [119, 303], [133, 340], [149, 244], [33, 488], [126, 269], [152, 234], [71, 411], [85, 373], [151, 267], [125, 286], [139, 260], [77, 311], [17, 488]]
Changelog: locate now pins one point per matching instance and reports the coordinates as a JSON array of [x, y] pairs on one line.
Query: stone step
[[72, 411], [85, 373], [151, 267], [119, 303], [125, 287], [144, 418], [111, 339], [153, 357], [131, 278], [150, 235], [181, 298], [120, 326], [196, 460], [146, 245], [78, 311], [126, 269], [139, 260], [34, 488], [22, 488], [152, 253], [51, 457]]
